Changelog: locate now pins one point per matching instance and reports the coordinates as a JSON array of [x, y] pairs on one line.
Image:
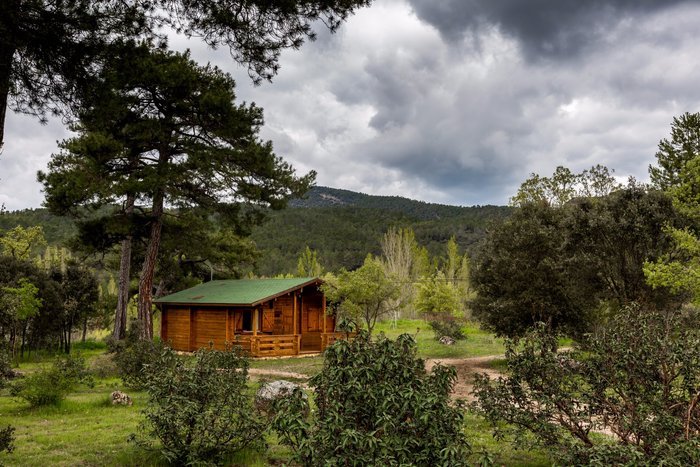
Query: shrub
[[132, 354], [49, 386], [638, 379], [447, 327], [6, 439], [376, 405], [199, 411], [6, 371], [104, 366]]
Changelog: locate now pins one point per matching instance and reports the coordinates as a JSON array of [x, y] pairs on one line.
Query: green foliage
[[447, 327], [22, 301], [104, 366], [133, 354], [6, 439], [209, 157], [342, 232], [308, 265], [57, 230], [638, 379], [677, 271], [674, 155], [20, 304], [20, 242], [49, 386], [563, 186], [565, 265], [53, 48], [440, 302], [437, 297], [678, 173], [6, 371], [364, 295], [199, 410], [376, 405]]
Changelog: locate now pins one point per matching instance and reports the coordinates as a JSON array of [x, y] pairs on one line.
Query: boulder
[[121, 398], [270, 392], [447, 340]]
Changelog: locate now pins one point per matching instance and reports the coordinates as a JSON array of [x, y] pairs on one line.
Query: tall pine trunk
[[149, 265], [124, 279], [6, 54]]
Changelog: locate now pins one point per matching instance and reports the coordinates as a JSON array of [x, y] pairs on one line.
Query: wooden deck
[[286, 344]]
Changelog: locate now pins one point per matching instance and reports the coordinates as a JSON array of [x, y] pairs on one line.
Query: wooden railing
[[328, 338], [264, 345]]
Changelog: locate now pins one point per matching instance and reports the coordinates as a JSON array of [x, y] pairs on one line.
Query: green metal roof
[[237, 292]]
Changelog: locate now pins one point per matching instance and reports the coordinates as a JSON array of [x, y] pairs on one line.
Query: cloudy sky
[[455, 101]]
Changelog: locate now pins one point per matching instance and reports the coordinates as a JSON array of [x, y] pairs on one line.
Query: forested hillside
[[341, 225]]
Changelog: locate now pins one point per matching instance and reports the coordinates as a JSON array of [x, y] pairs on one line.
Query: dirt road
[[466, 369]]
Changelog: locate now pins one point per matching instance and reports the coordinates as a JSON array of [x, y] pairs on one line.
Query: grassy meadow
[[85, 429]]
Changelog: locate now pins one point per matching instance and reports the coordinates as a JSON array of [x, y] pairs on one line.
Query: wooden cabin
[[267, 317]]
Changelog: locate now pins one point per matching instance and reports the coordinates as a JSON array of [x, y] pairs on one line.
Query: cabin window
[[247, 320]]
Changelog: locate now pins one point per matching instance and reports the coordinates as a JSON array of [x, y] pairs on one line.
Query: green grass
[[478, 432], [87, 430], [83, 429], [477, 344]]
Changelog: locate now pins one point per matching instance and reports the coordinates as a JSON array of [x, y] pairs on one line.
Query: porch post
[[255, 332], [228, 326]]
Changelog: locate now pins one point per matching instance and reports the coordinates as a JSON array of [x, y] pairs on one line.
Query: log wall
[[190, 328]]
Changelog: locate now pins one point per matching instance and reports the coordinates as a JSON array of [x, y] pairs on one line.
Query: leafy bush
[[6, 371], [132, 354], [49, 386], [199, 411], [638, 379], [447, 327], [6, 439], [104, 366], [377, 405]]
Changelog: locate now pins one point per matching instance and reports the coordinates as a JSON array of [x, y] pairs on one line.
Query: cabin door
[[311, 326]]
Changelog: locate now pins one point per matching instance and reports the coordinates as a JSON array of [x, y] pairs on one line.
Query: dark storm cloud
[[544, 28], [448, 104]]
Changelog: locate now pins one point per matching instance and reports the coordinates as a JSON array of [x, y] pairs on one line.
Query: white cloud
[[389, 105]]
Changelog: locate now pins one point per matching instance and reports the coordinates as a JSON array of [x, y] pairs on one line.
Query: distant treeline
[[340, 225]]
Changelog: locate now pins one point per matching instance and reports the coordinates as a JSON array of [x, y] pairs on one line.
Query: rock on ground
[[273, 391], [447, 340], [120, 398]]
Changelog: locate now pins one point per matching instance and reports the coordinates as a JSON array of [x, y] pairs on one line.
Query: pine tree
[[186, 145]]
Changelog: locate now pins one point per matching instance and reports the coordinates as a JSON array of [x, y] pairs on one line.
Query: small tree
[[441, 304], [365, 294], [639, 379], [19, 242], [377, 405], [199, 411], [22, 303], [399, 250], [308, 265], [49, 386]]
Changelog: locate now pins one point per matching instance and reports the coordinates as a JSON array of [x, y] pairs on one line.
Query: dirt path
[[466, 369], [256, 372]]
